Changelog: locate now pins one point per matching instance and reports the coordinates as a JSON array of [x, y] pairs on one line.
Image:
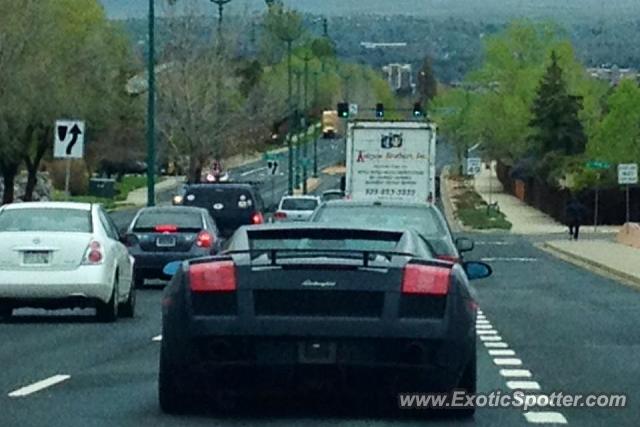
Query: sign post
[[597, 165], [627, 176], [68, 144]]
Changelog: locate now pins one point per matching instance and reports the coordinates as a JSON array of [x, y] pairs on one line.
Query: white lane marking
[[523, 385], [502, 353], [545, 417], [481, 326], [40, 385], [501, 361], [482, 322], [486, 332], [515, 373], [157, 338], [490, 338], [510, 259], [252, 171], [492, 344], [489, 243], [480, 313]]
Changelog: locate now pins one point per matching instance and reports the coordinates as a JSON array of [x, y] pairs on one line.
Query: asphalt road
[[573, 331], [272, 187]]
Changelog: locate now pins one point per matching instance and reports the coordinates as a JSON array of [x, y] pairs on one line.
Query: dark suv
[[231, 205]]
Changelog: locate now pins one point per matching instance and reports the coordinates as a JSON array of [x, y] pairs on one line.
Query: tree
[[556, 125], [616, 138], [427, 82]]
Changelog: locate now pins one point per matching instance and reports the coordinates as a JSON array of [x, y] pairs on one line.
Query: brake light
[[257, 218], [204, 239], [450, 258], [166, 228], [426, 280], [217, 276], [280, 215], [93, 254]]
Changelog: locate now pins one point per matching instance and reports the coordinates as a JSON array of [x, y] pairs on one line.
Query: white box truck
[[391, 161]]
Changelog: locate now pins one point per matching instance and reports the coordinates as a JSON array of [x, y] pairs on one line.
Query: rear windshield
[[324, 240], [46, 219], [299, 204], [181, 220], [423, 220], [238, 198]]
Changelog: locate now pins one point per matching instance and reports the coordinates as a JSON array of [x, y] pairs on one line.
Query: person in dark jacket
[[575, 213]]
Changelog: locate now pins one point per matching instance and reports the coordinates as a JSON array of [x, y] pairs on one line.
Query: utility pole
[[305, 153], [151, 109]]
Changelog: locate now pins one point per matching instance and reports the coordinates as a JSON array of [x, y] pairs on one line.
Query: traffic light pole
[[151, 113], [290, 118], [304, 141], [316, 133]]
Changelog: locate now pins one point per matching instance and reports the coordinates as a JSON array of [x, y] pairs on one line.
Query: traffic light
[[379, 110], [343, 110], [417, 110]]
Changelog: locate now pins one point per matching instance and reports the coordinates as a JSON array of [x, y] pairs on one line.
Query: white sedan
[[296, 208], [63, 255]]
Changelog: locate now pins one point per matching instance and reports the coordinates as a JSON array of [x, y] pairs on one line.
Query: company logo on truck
[[391, 140]]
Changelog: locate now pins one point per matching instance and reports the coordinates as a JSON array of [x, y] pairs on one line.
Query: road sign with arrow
[[272, 165], [69, 139]]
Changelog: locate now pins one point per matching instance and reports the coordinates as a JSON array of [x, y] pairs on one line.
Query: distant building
[[613, 74], [400, 77]]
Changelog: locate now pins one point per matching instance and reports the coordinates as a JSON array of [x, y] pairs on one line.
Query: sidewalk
[[524, 218], [609, 257]]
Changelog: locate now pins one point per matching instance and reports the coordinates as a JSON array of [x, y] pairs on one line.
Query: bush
[[79, 179]]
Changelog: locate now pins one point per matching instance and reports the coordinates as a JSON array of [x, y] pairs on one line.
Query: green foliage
[[616, 139], [128, 184], [555, 123], [474, 212]]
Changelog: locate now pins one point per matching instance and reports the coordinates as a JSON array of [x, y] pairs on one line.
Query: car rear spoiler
[[364, 255]]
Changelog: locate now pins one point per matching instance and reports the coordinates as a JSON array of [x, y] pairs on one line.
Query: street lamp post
[[306, 58], [219, 107], [316, 131], [151, 106]]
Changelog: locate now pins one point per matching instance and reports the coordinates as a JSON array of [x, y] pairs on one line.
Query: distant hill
[[482, 9]]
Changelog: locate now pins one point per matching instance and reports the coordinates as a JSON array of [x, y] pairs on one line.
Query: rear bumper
[[89, 282], [150, 264], [386, 364]]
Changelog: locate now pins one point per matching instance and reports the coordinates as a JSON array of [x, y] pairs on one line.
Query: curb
[[591, 265], [447, 203]]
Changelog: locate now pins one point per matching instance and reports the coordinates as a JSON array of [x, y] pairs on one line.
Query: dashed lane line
[[545, 417], [518, 378], [157, 338], [523, 385], [505, 352], [38, 386], [515, 373]]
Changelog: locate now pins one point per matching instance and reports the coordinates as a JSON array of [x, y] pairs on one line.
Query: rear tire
[[5, 312], [468, 385], [108, 312], [128, 308], [171, 400], [138, 281]]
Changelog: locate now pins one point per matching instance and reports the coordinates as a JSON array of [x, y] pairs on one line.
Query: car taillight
[[257, 218], [426, 280], [280, 215], [204, 239], [93, 254], [216, 276], [450, 258], [166, 228]]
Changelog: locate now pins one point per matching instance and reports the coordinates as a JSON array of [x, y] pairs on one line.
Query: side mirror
[[172, 268], [464, 244], [477, 270]]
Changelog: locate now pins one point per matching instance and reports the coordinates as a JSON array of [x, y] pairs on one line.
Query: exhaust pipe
[[414, 353]]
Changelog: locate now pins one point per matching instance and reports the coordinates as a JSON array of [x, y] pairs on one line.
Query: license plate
[[36, 257], [316, 352], [166, 241]]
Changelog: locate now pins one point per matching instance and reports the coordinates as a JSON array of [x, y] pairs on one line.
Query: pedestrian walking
[[575, 214]]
